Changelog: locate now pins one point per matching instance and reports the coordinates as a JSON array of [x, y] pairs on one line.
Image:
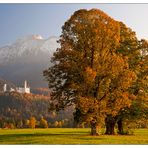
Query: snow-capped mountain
[[26, 59], [32, 44]]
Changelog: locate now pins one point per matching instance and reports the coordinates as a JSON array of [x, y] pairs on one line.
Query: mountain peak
[[27, 58], [37, 37], [30, 38]]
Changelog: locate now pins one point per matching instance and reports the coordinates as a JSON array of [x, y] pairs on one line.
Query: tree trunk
[[110, 125], [112, 128], [107, 125], [94, 128], [120, 126]]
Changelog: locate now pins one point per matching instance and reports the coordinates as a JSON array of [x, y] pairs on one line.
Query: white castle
[[24, 89]]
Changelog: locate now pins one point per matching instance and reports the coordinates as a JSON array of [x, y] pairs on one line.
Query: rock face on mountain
[[26, 59]]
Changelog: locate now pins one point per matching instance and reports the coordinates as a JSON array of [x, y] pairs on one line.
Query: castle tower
[[5, 87], [25, 84], [26, 88]]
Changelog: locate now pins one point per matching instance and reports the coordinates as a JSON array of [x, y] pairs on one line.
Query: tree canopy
[[94, 68]]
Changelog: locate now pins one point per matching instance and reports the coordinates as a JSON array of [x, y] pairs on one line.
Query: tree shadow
[[32, 138], [23, 138]]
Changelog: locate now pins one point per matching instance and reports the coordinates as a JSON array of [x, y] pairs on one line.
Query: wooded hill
[[16, 109]]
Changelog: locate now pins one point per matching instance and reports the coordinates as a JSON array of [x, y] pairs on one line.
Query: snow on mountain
[[26, 59], [32, 44], [38, 37]]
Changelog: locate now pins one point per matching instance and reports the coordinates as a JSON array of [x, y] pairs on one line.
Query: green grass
[[68, 136]]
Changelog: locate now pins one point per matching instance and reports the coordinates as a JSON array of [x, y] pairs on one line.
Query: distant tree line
[[30, 111]]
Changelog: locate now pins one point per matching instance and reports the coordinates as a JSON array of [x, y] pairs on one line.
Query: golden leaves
[[118, 101], [89, 75], [95, 62], [90, 108]]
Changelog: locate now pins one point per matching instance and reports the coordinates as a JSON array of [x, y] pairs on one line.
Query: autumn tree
[[60, 124], [32, 122], [43, 123], [55, 124], [128, 48], [27, 123], [88, 71], [136, 52]]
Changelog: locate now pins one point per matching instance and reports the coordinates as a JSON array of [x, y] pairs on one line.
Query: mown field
[[68, 136]]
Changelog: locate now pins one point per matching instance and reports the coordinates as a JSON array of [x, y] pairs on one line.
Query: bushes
[[127, 131], [9, 126], [55, 124], [43, 123], [33, 123], [60, 124]]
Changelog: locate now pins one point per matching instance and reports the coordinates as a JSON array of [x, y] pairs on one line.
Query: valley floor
[[68, 136]]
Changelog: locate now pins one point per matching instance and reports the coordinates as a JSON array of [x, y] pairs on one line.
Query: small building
[[12, 89], [25, 89], [5, 87]]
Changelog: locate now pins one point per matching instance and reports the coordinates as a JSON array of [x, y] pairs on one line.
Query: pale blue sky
[[18, 20]]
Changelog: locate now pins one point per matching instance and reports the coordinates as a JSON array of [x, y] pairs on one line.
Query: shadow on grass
[[31, 135], [25, 138], [30, 138]]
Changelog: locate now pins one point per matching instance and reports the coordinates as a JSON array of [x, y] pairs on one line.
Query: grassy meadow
[[68, 136]]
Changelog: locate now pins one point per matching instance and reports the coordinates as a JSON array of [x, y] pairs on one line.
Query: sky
[[19, 20]]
